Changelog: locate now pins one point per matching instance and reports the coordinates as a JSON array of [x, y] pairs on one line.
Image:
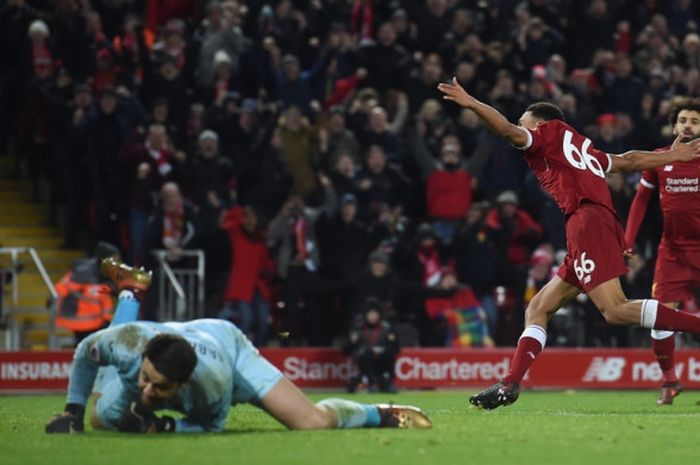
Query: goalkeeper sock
[[127, 310], [530, 344], [352, 414]]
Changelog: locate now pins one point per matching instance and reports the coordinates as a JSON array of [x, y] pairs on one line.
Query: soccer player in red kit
[[573, 172], [677, 270]]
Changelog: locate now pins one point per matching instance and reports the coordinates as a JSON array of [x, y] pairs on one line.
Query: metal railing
[[180, 288], [12, 339]]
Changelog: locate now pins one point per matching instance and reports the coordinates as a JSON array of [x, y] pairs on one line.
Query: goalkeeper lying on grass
[[199, 368]]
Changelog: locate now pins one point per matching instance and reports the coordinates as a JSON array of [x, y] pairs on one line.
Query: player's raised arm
[[495, 121], [640, 160]]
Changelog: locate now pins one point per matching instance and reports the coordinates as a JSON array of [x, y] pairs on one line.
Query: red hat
[[539, 72], [541, 256], [606, 118]]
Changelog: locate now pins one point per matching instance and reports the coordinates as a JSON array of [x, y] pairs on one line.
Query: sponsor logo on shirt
[[668, 168], [680, 185]]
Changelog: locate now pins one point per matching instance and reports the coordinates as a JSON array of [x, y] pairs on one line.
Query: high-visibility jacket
[[82, 307]]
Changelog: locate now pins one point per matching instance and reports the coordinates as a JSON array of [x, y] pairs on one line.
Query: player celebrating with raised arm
[[677, 270], [573, 172], [199, 368]]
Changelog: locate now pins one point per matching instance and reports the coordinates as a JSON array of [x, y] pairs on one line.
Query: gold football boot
[[124, 276], [403, 416]]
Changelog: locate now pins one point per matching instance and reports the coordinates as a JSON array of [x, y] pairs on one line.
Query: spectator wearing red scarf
[[172, 224], [362, 19], [39, 37], [292, 234], [156, 152]]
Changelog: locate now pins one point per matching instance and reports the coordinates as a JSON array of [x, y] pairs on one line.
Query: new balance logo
[[605, 369], [531, 355], [668, 168]]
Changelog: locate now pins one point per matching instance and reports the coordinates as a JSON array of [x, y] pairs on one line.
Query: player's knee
[[530, 313], [613, 313], [535, 312]]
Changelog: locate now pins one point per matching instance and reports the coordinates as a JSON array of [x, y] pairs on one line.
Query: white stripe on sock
[[660, 334], [536, 332], [647, 318]]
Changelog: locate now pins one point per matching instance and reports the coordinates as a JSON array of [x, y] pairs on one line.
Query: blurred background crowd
[[302, 144]]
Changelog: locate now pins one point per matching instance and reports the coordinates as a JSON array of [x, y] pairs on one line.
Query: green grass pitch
[[591, 428]]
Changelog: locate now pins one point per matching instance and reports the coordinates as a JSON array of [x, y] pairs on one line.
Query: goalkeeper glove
[[70, 421], [138, 418]]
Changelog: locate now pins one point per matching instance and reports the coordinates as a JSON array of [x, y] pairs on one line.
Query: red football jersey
[[568, 166], [679, 196]]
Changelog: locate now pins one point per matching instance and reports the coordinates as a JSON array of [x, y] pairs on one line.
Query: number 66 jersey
[[573, 172], [568, 166]]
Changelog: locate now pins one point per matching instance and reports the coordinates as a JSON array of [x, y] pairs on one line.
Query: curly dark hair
[[546, 111], [684, 103], [172, 356]]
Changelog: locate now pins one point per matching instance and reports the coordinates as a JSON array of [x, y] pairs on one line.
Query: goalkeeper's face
[[155, 387]]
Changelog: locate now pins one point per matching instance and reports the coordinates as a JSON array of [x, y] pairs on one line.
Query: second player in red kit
[[573, 172], [677, 270]]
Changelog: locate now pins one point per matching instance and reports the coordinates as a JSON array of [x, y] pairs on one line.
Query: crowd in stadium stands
[[302, 144]]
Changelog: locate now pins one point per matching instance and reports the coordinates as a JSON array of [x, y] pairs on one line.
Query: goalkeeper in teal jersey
[[199, 368]]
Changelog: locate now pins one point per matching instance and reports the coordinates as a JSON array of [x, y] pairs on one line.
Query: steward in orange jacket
[[84, 304]]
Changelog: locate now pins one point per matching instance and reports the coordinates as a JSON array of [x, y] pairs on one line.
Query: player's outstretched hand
[[70, 421], [686, 151], [140, 419], [454, 91]]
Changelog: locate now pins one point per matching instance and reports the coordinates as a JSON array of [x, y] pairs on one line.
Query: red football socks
[[673, 320], [664, 350], [530, 344]]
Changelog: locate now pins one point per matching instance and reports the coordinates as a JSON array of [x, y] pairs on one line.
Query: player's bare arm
[[640, 160], [494, 120]]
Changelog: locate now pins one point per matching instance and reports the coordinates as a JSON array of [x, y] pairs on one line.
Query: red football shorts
[[676, 274], [595, 243]]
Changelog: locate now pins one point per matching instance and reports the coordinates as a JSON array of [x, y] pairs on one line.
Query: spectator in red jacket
[[247, 295], [518, 231], [515, 235], [448, 185]]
